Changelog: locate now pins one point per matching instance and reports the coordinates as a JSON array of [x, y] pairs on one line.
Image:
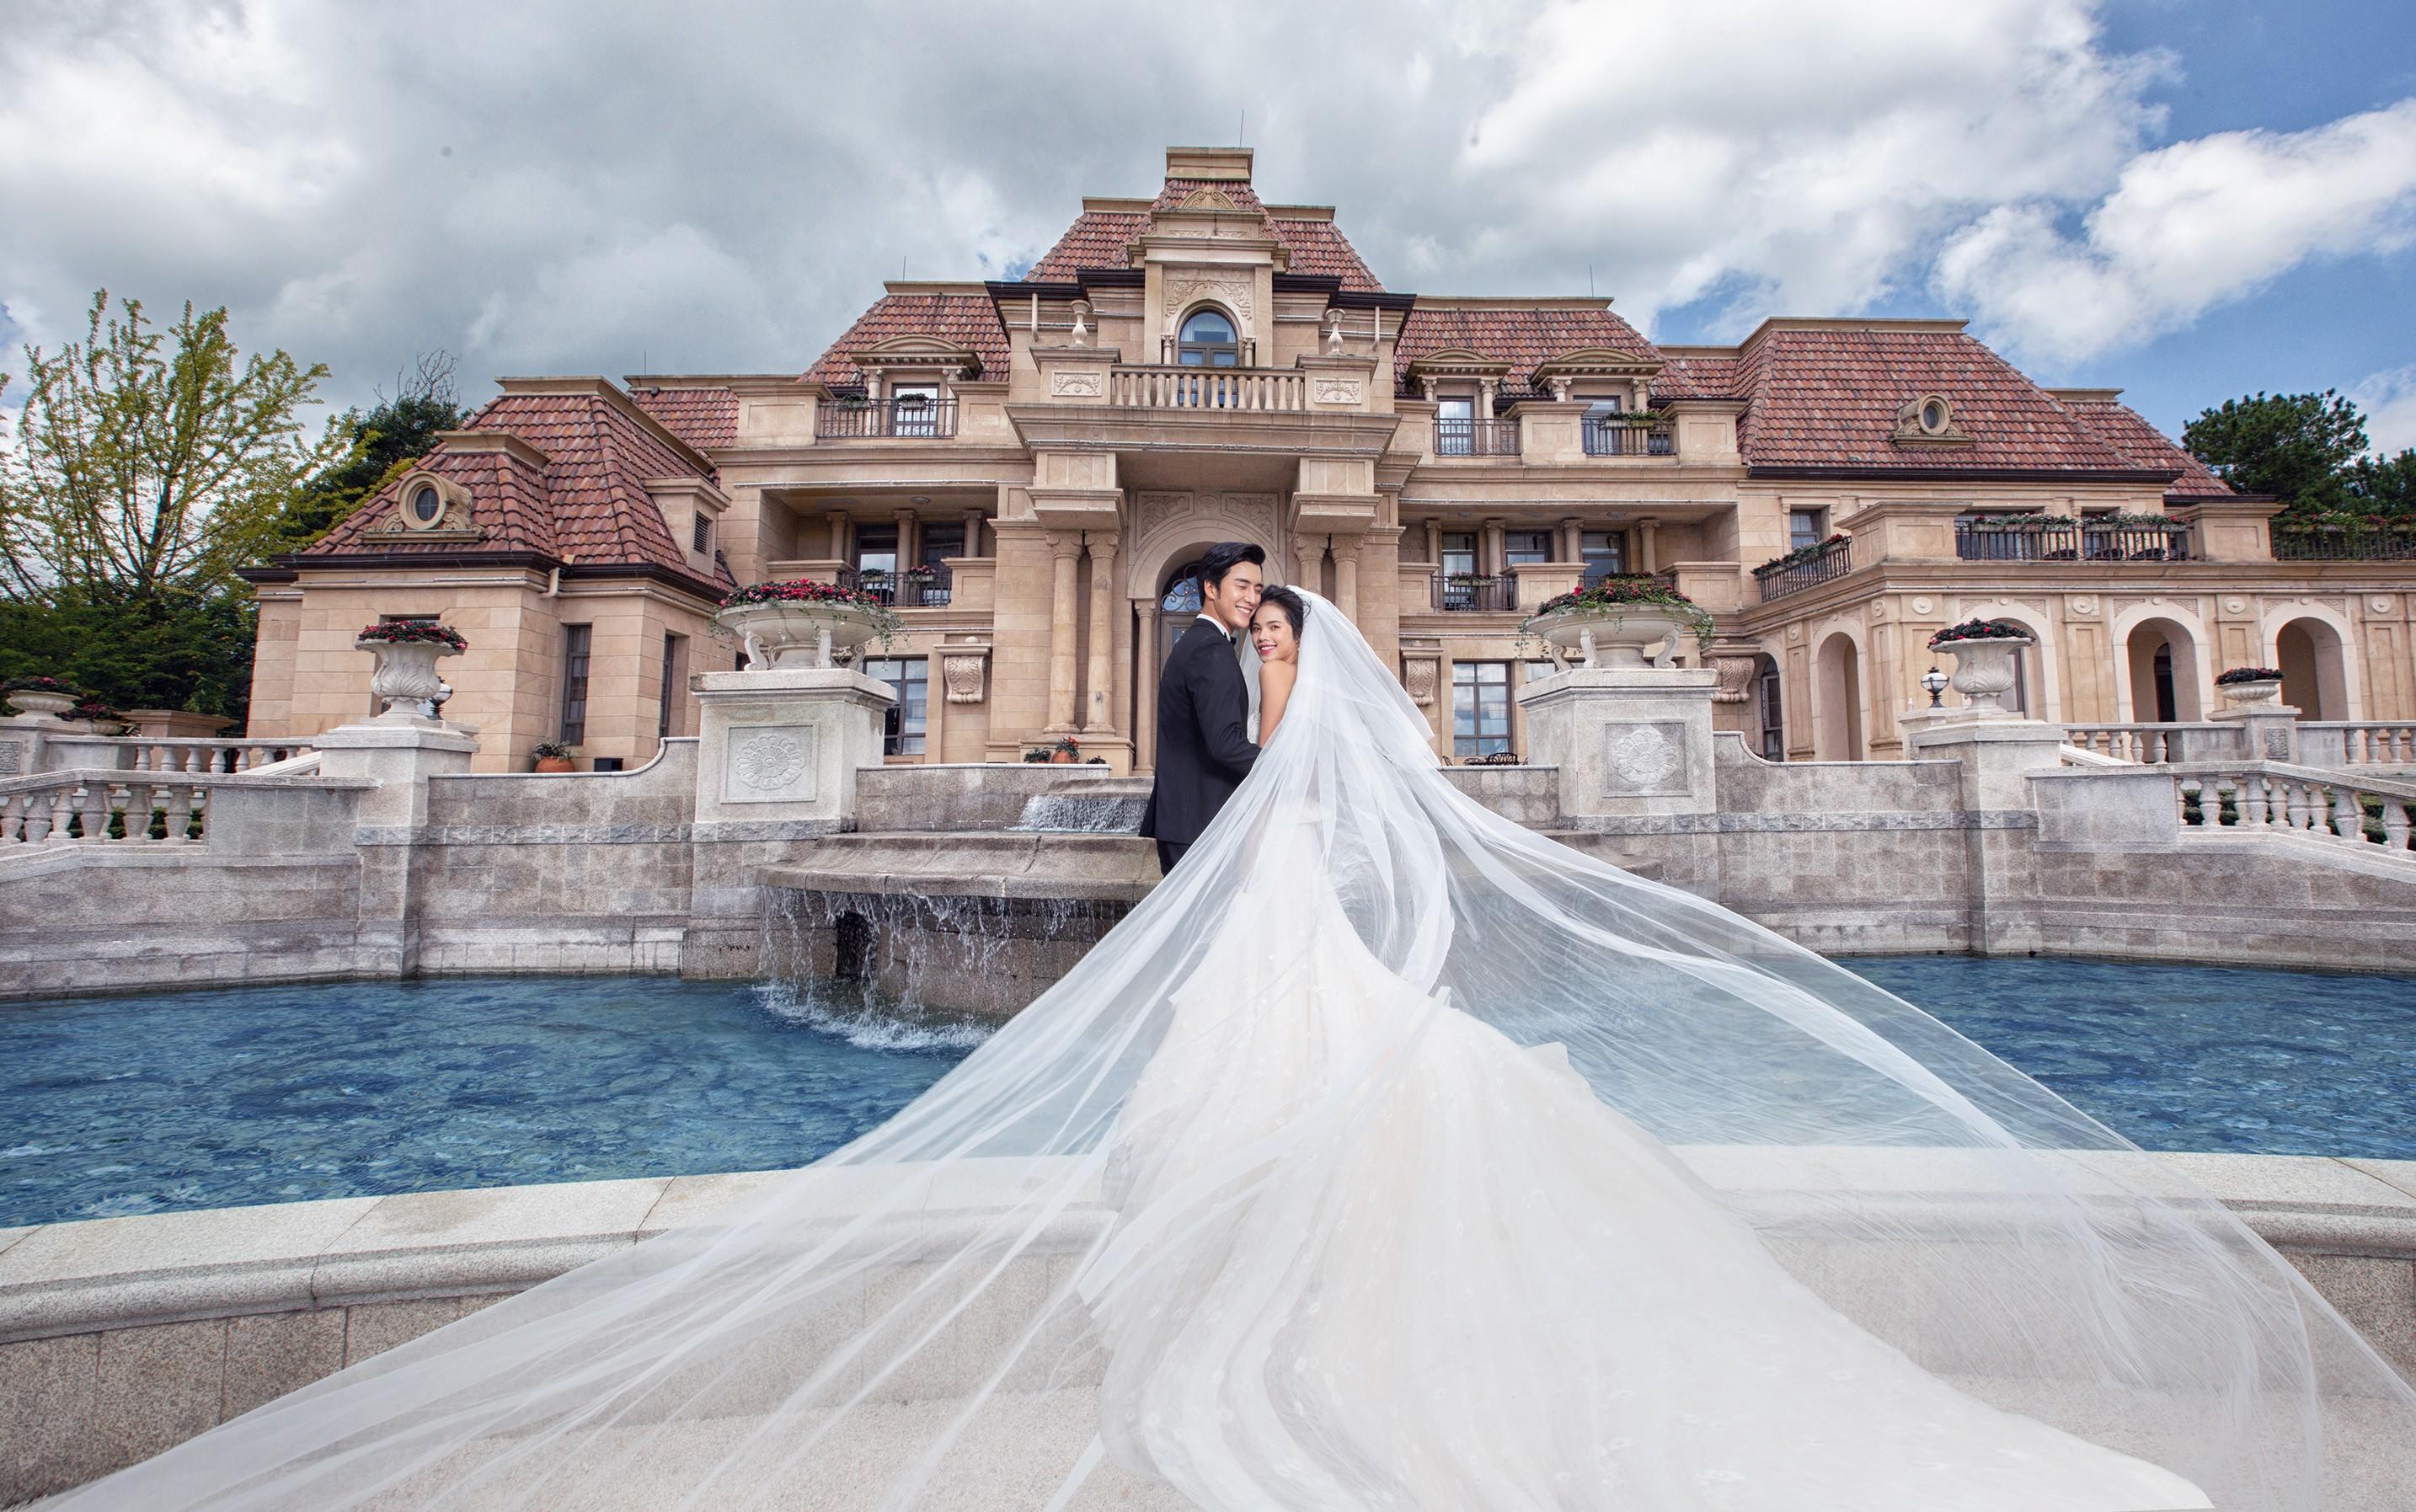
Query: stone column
[[908, 543], [1486, 385], [1346, 577], [1066, 551], [1119, 693], [1099, 686], [1572, 541], [973, 533], [1496, 550], [1146, 676], [1434, 539], [1646, 561]]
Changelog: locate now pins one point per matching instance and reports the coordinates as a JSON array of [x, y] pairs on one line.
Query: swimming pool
[[165, 1101]]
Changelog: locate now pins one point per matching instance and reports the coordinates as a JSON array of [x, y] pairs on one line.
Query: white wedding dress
[[1392, 1158], [1485, 1289]]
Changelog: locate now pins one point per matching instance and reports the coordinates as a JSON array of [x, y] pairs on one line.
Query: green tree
[[2296, 447], [394, 434], [140, 467], [175, 649], [2385, 485]]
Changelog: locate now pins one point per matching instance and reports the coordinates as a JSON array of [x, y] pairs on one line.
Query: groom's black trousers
[[1169, 852]]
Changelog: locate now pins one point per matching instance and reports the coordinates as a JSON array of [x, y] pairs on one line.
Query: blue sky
[[2188, 200]]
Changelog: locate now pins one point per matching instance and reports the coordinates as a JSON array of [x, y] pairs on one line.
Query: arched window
[[1177, 606], [1208, 340]]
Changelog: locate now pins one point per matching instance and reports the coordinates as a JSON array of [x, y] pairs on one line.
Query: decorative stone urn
[[405, 675], [790, 636], [29, 701], [1983, 670], [1629, 635], [2262, 691]]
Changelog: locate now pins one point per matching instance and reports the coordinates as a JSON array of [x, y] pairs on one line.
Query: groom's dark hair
[[1219, 559]]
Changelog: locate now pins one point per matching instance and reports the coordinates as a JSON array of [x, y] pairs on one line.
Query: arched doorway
[[1178, 605], [2163, 661], [2314, 680], [1837, 701], [1770, 722]]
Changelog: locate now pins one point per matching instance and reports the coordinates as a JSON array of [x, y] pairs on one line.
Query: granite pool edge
[[151, 1269]]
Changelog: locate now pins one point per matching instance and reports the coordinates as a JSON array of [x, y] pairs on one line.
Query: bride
[[1392, 1156]]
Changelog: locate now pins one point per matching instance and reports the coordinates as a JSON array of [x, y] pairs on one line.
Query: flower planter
[[792, 635], [1984, 670], [556, 764], [1631, 635], [405, 673], [2261, 690], [27, 700]]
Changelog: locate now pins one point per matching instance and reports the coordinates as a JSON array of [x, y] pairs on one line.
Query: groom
[[1203, 707]]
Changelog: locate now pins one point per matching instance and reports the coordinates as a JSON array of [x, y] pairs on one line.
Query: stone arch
[[1839, 717], [2139, 695], [2322, 655], [1170, 529]]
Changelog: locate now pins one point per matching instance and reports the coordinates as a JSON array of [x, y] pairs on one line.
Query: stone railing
[[105, 806], [140, 754], [2217, 798], [2362, 743], [2157, 744], [1208, 389]]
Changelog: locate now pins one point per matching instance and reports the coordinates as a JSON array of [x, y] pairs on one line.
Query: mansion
[[1027, 470]]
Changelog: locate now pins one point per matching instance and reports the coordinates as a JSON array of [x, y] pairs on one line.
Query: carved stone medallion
[[1641, 759], [768, 763]]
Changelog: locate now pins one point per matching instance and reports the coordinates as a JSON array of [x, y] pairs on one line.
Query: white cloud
[[2388, 401], [575, 188], [2189, 227]]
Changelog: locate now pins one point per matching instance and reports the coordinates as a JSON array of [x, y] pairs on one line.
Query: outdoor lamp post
[[1936, 682]]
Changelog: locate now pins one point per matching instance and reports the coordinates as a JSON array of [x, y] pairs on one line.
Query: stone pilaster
[[1066, 556]]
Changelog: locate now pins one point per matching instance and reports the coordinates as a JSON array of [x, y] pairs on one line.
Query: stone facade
[[1035, 461]]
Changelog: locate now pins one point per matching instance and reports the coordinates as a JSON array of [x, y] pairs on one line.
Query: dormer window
[[1208, 340], [702, 535], [1928, 420]]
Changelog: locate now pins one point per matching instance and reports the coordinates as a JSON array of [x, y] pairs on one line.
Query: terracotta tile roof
[[1098, 238], [1519, 336], [702, 418], [1826, 396], [1697, 375], [2128, 432], [1318, 247], [585, 505], [965, 320]]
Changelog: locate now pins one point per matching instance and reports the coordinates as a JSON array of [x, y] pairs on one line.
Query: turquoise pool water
[[164, 1101]]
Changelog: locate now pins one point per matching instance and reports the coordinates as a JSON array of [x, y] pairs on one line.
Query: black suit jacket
[[1204, 743]]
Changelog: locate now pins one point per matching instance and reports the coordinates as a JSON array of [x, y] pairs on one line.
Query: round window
[[426, 505], [1933, 414]]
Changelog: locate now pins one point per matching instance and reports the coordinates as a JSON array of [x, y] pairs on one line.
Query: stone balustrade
[[1168, 387], [2358, 743], [2247, 798], [122, 807], [2155, 744]]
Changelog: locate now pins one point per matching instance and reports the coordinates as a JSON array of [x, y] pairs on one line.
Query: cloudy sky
[[2191, 200]]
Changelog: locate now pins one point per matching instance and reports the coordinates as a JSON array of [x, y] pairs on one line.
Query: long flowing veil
[[912, 1321]]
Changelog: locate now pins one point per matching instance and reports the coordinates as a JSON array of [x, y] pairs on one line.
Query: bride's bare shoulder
[[1276, 674]]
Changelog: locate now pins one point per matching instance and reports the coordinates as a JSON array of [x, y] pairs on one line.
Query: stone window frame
[[1240, 345], [1464, 746]]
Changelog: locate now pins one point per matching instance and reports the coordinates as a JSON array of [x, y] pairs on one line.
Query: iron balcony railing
[[1629, 438], [1477, 438], [903, 420], [1475, 595], [2075, 541], [902, 593], [1833, 560], [2382, 541]]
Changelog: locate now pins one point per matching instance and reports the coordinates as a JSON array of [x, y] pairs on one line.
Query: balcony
[[1176, 388], [2378, 540], [1793, 573], [909, 592], [1456, 437], [1621, 437], [2073, 541], [898, 419], [1476, 593]]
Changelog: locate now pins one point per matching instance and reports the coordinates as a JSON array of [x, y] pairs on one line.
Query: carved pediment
[[1597, 362], [1208, 199], [918, 350], [427, 508]]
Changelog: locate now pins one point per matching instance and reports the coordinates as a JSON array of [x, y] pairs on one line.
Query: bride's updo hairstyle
[[1294, 607]]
